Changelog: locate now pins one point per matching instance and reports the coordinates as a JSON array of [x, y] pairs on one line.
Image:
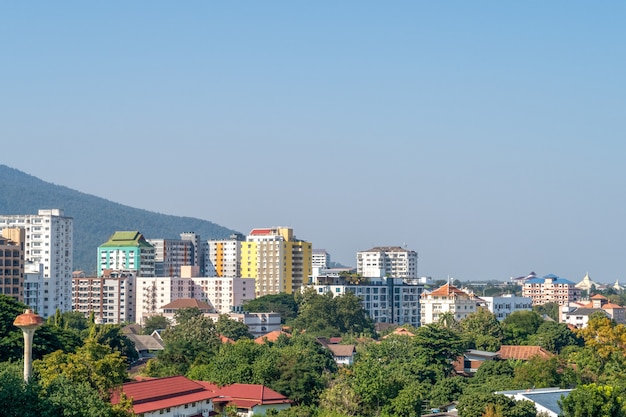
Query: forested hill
[[95, 218]]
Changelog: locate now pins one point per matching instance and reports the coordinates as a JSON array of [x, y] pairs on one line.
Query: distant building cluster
[[138, 277]]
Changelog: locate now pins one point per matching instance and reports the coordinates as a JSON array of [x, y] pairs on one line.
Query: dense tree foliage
[[156, 322], [594, 401], [282, 303], [232, 329], [326, 315]]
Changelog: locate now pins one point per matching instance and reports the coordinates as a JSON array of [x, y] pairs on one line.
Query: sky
[[487, 136]]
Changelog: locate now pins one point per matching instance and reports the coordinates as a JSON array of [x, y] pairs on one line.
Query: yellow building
[[276, 260]]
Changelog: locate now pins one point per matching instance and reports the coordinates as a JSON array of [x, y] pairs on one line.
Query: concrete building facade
[[224, 294], [222, 257], [391, 261], [386, 300], [12, 263], [551, 289], [48, 245], [276, 260], [447, 299], [170, 255], [127, 251], [504, 305], [110, 297]]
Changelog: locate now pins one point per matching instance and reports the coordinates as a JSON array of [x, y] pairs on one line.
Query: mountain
[[95, 218]]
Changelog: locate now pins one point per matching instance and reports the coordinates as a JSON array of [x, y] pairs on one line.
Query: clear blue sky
[[487, 136]]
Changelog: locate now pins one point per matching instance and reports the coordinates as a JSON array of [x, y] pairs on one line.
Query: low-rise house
[[271, 337], [342, 354], [147, 346], [169, 310], [546, 400], [523, 353], [577, 314], [250, 399], [504, 305], [178, 396], [470, 361], [167, 397]]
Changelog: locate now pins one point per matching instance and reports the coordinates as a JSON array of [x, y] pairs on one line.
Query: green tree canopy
[[282, 303], [232, 329]]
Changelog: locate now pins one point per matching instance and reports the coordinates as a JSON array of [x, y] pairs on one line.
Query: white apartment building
[[504, 305], [170, 255], [111, 297], [444, 299], [387, 261], [33, 285], [258, 324], [224, 294], [320, 259], [222, 257], [386, 300], [49, 243]]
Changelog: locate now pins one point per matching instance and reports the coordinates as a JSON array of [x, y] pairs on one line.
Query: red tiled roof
[[259, 394], [599, 297], [446, 289], [611, 305], [225, 339], [260, 232], [270, 337], [155, 394], [522, 352]]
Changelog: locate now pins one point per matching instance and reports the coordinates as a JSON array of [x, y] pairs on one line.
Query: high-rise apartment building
[[222, 257], [170, 255], [386, 300], [390, 261], [276, 260], [199, 250], [551, 289], [127, 251], [110, 297], [48, 244], [12, 263], [320, 259]]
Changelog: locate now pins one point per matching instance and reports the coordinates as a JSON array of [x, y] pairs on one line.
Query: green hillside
[[95, 219]]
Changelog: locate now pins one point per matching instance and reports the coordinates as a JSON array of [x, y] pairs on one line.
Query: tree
[[482, 329], [519, 326], [232, 329], [594, 401], [192, 341], [156, 322], [326, 315], [282, 303], [340, 397], [95, 364], [554, 336], [552, 310]]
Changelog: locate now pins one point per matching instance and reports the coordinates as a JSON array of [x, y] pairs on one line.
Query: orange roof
[[446, 290], [225, 339], [400, 331], [611, 305], [599, 297], [270, 337], [249, 395], [522, 352]]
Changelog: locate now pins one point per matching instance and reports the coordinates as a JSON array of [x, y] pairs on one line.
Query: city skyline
[[484, 136]]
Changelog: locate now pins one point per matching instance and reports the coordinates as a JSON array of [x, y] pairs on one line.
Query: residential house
[[546, 400]]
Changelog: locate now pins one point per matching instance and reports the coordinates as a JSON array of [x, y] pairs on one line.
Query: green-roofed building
[[127, 251]]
